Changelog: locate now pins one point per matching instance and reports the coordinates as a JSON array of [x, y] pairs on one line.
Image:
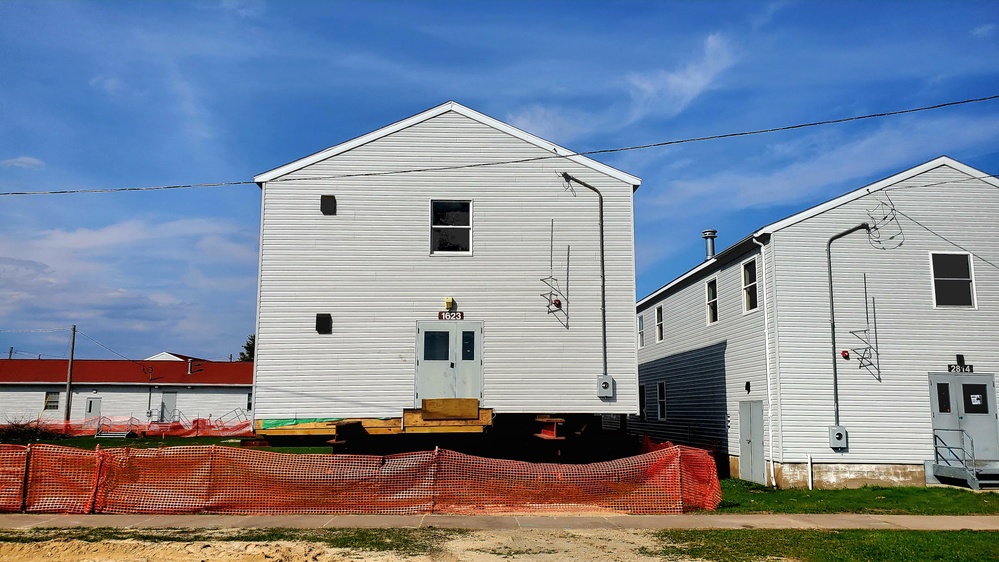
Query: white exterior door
[[168, 407], [448, 360], [93, 408], [752, 464], [965, 403]]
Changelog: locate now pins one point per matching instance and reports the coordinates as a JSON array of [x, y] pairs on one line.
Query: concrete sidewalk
[[499, 522]]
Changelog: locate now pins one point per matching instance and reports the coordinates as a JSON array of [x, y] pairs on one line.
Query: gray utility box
[[605, 386], [837, 437]]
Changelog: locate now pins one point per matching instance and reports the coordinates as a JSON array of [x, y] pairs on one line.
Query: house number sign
[[444, 315], [960, 368]]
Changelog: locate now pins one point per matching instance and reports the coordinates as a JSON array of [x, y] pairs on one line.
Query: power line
[[944, 238], [34, 331], [111, 350], [536, 158]]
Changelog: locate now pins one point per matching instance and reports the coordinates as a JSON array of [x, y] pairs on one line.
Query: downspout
[[766, 339], [832, 313], [603, 276]]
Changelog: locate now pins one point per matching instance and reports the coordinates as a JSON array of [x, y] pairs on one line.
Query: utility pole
[[10, 354], [69, 375]]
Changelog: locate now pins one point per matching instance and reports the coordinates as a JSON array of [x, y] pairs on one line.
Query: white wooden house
[[438, 272], [146, 391], [748, 354]]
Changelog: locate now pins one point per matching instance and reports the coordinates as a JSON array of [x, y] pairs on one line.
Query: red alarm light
[[556, 303], [845, 353]]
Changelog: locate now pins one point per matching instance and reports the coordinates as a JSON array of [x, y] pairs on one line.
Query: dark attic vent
[[324, 323], [327, 204]]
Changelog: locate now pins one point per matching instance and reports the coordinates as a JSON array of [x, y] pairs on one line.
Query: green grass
[[739, 496], [410, 542], [822, 546]]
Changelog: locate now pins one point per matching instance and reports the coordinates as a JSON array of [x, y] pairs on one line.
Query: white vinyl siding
[[371, 270], [888, 420]]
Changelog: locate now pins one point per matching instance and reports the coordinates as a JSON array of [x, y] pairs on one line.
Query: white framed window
[[750, 296], [641, 330], [450, 227], [953, 279], [51, 401], [660, 334], [711, 299], [641, 401], [661, 401]]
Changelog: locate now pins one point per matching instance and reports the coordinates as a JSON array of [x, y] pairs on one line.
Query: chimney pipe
[[709, 236]]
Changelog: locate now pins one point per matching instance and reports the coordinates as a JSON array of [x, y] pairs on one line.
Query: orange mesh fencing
[[13, 464], [198, 427], [216, 479]]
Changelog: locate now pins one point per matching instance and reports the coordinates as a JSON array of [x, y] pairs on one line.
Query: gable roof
[[171, 356], [434, 112], [763, 233]]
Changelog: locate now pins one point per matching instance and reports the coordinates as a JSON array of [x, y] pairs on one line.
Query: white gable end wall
[[370, 267], [888, 420]]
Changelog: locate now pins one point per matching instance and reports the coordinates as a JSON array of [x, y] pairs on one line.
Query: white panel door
[[448, 360]]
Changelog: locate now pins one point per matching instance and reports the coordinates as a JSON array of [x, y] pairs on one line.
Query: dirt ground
[[541, 545]]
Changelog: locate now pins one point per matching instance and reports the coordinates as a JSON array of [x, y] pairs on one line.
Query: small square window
[[51, 401], [750, 297], [711, 293], [660, 332], [450, 226], [327, 204], [324, 323], [953, 280]]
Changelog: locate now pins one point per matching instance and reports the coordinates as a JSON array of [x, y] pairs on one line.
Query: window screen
[[450, 226], [436, 346], [952, 281]]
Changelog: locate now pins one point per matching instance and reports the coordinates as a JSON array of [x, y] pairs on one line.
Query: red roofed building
[[148, 391]]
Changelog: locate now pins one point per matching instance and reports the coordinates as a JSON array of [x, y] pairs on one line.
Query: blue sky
[[127, 94]]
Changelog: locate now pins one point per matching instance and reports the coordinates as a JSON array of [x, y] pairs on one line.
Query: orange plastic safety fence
[[60, 480], [13, 463], [198, 427], [215, 479], [644, 484]]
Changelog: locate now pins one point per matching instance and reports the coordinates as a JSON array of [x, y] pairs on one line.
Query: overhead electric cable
[[533, 159]]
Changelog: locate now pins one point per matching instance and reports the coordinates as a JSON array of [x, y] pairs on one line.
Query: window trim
[[641, 330], [708, 301], [660, 324], [430, 227], [46, 403], [756, 286], [661, 400], [971, 272]]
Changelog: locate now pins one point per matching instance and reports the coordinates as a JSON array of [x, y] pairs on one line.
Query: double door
[[965, 405], [448, 360]]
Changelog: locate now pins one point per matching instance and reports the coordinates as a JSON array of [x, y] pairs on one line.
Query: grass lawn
[[822, 546], [739, 496]]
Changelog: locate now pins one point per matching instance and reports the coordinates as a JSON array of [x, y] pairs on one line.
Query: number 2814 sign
[[960, 368], [446, 315]]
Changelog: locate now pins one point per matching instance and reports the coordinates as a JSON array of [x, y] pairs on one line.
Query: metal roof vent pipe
[[709, 236]]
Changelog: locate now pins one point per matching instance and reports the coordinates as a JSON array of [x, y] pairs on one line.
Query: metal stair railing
[[947, 455], [235, 415]]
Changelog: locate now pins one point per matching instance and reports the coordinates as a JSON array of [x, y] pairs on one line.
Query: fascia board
[[434, 112]]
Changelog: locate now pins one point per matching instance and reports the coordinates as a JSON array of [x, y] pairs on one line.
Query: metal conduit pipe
[[766, 339], [603, 276], [832, 312]]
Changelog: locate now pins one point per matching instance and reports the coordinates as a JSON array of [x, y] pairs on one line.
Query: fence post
[[25, 480], [99, 465]]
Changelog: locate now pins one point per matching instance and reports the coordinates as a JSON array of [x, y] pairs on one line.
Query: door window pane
[[943, 397], [436, 346], [975, 398], [467, 346]]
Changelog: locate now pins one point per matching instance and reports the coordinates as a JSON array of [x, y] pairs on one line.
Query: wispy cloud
[[26, 162], [245, 8], [984, 31], [665, 93]]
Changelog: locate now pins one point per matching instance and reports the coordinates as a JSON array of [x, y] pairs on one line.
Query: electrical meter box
[[605, 386], [837, 437]]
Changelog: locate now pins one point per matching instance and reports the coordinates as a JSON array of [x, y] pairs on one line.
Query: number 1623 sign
[[444, 315]]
